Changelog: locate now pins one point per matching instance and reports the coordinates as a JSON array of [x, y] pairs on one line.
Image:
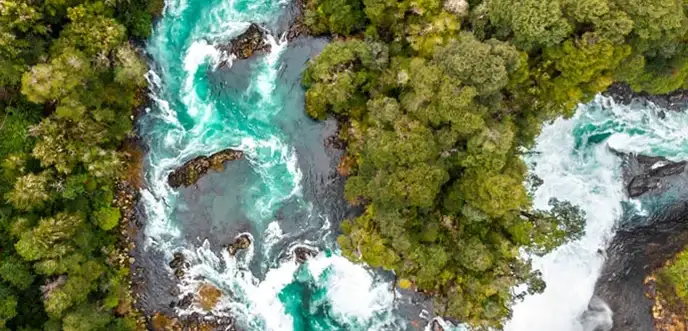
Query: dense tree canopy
[[440, 98], [69, 81]]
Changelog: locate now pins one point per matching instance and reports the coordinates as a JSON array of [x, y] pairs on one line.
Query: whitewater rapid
[[190, 117], [263, 287], [574, 159]]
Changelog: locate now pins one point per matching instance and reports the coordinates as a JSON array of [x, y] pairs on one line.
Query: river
[[286, 192]]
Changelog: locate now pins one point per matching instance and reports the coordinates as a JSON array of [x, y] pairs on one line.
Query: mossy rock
[[189, 173], [208, 296]]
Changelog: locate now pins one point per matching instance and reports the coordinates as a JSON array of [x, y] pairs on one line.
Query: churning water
[[282, 194]]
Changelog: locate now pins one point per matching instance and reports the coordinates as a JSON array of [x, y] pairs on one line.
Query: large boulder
[[641, 246], [241, 242], [651, 179], [303, 253], [648, 174], [178, 264], [193, 170], [249, 42]]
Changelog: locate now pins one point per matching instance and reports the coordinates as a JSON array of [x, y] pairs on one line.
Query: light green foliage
[[672, 283], [436, 118], [339, 83], [130, 69], [106, 218], [86, 318], [31, 191], [57, 79], [533, 23], [581, 69], [656, 19], [50, 239], [90, 31], [436, 166], [494, 195]]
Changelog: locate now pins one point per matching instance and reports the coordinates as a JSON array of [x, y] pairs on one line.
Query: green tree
[[31, 191]]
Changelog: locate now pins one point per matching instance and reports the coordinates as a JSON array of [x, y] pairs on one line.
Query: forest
[[438, 102], [70, 79]]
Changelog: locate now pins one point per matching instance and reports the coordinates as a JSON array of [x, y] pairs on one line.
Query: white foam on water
[[356, 296], [592, 181], [589, 176]]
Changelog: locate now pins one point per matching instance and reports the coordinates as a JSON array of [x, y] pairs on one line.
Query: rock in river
[[249, 42], [302, 253], [643, 174], [241, 242], [636, 251], [193, 170]]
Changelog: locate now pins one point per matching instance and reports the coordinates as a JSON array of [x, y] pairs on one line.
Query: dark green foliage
[[437, 117], [69, 80]]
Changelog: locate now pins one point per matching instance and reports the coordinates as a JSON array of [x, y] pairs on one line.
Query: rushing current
[[280, 194]]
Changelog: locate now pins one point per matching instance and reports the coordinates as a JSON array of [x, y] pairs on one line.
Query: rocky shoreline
[[626, 283], [622, 93]]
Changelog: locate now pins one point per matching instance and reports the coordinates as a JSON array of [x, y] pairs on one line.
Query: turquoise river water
[[281, 194]]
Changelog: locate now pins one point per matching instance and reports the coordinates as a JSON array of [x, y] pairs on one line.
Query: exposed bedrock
[[676, 101], [643, 174], [189, 173], [636, 251]]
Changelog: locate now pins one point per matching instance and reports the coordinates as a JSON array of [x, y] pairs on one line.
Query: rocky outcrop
[[193, 170], [179, 264], [251, 41], [636, 251], [302, 254], [633, 255], [193, 322], [436, 326], [643, 174], [241, 242], [652, 178], [623, 94], [254, 39]]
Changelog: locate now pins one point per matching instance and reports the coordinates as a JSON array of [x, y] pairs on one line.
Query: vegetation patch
[[440, 98], [70, 80]]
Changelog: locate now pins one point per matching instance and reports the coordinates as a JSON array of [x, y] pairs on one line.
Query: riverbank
[[622, 93], [643, 244]]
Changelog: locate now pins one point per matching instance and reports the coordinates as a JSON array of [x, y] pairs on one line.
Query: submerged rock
[[208, 296], [241, 242], [193, 170]]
